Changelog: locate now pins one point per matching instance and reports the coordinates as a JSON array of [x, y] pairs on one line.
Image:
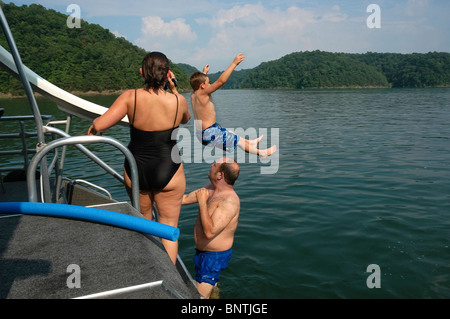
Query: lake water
[[362, 177]]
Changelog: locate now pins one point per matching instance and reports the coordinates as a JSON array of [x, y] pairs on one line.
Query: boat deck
[[36, 252], [44, 257]]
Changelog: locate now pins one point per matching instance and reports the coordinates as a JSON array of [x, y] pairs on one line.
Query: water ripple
[[362, 179]]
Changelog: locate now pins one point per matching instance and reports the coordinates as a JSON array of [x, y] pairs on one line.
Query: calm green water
[[362, 178]]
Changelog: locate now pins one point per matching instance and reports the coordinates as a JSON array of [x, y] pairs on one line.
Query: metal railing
[[42, 149], [77, 140], [23, 135], [25, 151], [57, 162]]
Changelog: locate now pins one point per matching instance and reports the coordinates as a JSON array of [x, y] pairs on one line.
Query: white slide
[[65, 101]]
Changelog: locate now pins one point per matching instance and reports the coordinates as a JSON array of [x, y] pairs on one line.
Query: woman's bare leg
[[145, 198], [146, 203], [168, 202]]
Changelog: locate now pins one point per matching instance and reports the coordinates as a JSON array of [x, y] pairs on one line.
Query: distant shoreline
[[118, 92], [76, 93]]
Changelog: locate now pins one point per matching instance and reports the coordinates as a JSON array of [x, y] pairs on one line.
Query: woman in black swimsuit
[[153, 114]]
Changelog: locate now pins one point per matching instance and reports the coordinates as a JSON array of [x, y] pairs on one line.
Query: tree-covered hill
[[83, 59], [235, 80], [319, 69], [91, 58], [411, 70], [315, 69]]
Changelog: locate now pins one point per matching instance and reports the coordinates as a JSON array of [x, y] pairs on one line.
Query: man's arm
[[214, 222], [191, 198]]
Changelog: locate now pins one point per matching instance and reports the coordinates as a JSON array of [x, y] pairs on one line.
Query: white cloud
[[263, 34], [201, 31], [117, 34], [169, 37], [266, 33], [156, 27], [335, 15]]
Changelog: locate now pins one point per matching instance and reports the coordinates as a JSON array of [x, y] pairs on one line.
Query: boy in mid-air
[[210, 132]]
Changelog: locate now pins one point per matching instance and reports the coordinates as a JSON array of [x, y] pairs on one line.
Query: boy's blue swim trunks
[[218, 136], [209, 264]]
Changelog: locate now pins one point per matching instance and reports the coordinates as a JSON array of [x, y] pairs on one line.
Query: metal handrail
[[23, 135], [23, 117], [82, 181], [23, 77], [32, 189], [28, 90], [88, 153]]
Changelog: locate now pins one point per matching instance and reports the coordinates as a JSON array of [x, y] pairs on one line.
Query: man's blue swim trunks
[[209, 264], [217, 136]]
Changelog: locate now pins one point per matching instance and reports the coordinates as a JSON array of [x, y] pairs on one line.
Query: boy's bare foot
[[251, 146], [267, 152]]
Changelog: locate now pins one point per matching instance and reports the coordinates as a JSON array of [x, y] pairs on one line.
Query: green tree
[[89, 58]]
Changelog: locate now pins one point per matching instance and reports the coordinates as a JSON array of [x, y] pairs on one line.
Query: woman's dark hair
[[155, 67]]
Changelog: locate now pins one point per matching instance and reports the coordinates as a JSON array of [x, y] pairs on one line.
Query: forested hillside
[[411, 70], [314, 70], [83, 59], [320, 69], [235, 80], [91, 58]]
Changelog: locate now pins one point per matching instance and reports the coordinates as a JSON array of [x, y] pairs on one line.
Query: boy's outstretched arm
[[225, 75]]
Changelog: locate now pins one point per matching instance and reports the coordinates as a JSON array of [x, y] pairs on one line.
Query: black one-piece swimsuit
[[156, 153]]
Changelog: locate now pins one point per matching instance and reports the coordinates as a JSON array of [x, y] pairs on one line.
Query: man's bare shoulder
[[229, 200]]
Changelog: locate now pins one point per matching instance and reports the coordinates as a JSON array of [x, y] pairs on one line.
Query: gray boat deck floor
[[36, 251]]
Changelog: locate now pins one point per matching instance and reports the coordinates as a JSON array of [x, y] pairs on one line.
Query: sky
[[213, 32]]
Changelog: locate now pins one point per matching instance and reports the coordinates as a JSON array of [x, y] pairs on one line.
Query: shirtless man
[[210, 132], [216, 223]]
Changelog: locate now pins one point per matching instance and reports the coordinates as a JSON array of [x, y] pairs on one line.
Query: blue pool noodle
[[93, 215]]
